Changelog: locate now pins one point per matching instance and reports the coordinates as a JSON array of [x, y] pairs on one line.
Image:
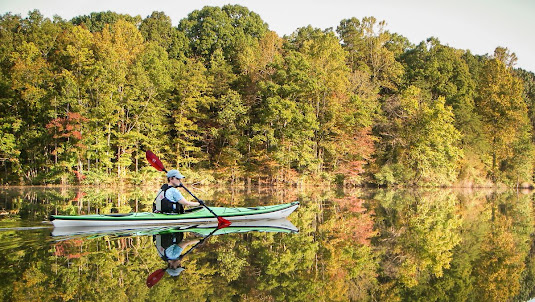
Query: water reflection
[[169, 240], [374, 245]]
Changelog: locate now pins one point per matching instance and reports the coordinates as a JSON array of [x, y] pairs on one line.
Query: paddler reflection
[[170, 246]]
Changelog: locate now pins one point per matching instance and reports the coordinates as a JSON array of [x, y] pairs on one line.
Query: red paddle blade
[[154, 161], [155, 277], [222, 223]]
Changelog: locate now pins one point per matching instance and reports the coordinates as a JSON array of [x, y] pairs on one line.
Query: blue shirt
[[173, 194], [173, 252]]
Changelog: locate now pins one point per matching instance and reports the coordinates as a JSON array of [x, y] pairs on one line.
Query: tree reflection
[[435, 245]]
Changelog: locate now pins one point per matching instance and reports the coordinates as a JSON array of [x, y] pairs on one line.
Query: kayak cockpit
[[118, 215]]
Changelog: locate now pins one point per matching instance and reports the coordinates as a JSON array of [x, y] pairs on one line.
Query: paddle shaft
[[222, 222], [199, 200], [198, 243]]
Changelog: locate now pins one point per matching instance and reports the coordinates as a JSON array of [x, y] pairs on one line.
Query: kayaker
[[169, 198], [170, 247]]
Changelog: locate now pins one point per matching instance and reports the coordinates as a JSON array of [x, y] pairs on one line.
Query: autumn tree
[[419, 141], [504, 112]]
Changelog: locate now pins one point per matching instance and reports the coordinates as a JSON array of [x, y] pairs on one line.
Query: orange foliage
[[358, 227], [67, 127], [80, 194], [62, 248], [358, 151], [79, 176]]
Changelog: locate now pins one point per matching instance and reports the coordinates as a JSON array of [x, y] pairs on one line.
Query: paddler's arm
[[178, 196], [188, 203], [185, 244]]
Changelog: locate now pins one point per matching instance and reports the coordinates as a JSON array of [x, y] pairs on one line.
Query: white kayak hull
[[110, 220]]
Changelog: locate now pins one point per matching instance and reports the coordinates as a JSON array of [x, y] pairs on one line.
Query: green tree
[[31, 77], [442, 71], [190, 99], [529, 92], [369, 46], [322, 82], [97, 21], [117, 49], [419, 141], [158, 28], [227, 28], [504, 112], [10, 123]]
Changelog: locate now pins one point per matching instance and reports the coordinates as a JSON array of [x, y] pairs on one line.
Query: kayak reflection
[[202, 229], [171, 241]]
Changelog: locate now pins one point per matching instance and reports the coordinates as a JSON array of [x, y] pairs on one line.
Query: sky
[[477, 25]]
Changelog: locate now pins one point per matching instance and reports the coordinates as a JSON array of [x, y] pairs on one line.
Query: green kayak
[[199, 214]]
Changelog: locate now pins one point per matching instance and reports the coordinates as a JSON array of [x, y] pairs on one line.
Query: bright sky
[[477, 25]]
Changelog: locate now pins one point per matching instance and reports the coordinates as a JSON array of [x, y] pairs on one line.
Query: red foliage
[[77, 134], [360, 229], [79, 175], [67, 127], [356, 223], [352, 168], [359, 149], [351, 204], [62, 248], [80, 194]]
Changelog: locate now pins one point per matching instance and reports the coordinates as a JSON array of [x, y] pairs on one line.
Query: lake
[[352, 245]]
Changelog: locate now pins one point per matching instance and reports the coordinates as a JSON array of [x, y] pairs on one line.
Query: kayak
[[202, 229], [198, 214]]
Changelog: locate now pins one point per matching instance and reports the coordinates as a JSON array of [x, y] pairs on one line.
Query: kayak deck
[[195, 214]]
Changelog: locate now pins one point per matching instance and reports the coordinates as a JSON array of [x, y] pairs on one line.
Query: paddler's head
[[174, 178], [173, 268]]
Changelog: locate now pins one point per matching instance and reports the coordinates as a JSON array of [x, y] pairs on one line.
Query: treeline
[[222, 96]]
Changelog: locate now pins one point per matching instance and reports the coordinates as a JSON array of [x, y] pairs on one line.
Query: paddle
[[156, 163], [222, 222], [155, 277], [199, 243], [159, 273]]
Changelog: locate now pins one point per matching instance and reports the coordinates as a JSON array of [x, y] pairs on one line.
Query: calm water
[[376, 245]]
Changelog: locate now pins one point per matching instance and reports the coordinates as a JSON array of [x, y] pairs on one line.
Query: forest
[[226, 100]]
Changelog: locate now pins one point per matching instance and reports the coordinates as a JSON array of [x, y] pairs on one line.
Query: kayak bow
[[199, 214]]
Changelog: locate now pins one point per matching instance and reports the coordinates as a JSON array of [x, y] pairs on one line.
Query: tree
[[442, 71], [419, 141], [31, 77], [368, 49], [529, 93], [497, 271], [504, 113], [97, 21], [323, 85], [117, 49], [158, 28], [226, 28], [189, 102]]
